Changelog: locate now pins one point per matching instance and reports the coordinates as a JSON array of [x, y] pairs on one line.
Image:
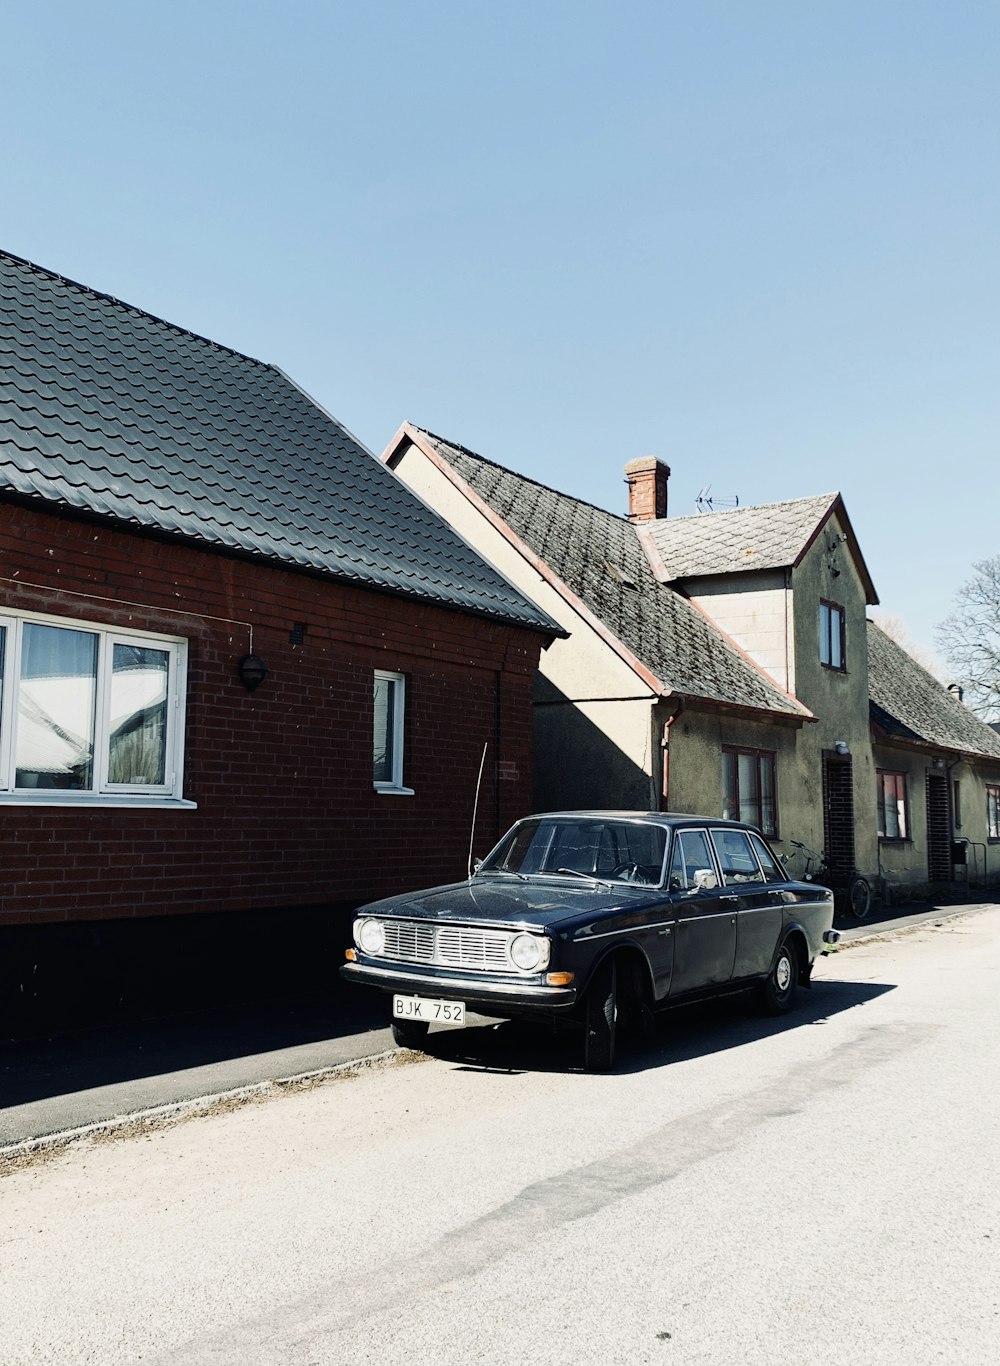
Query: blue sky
[[757, 239]]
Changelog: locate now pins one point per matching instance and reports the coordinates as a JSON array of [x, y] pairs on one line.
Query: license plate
[[429, 1010]]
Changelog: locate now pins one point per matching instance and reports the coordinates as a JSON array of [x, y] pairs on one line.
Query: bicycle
[[852, 892]]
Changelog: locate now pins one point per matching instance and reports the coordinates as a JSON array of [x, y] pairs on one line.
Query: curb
[[933, 921], [18, 1154]]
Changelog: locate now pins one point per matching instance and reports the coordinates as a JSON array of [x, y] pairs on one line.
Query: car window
[[691, 851], [629, 851], [736, 856], [773, 871]]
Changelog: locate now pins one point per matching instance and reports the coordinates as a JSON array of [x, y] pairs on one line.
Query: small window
[[691, 852], [993, 812], [390, 698], [748, 788], [832, 642], [736, 857], [892, 820], [88, 712]]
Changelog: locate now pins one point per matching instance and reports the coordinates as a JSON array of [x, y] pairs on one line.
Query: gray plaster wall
[[904, 862], [696, 765], [838, 699]]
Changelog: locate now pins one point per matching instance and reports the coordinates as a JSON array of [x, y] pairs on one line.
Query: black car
[[598, 918]]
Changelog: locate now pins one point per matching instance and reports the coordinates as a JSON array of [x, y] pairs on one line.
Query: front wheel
[[410, 1033], [859, 896], [778, 991], [600, 1019]]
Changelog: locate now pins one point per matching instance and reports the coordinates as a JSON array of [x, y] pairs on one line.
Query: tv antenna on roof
[[706, 503]]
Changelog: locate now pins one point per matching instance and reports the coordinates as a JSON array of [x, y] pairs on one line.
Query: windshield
[[605, 850]]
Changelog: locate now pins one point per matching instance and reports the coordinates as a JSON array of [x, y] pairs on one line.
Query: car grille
[[447, 946]]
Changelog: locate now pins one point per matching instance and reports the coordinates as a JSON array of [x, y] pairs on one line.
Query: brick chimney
[[647, 488]]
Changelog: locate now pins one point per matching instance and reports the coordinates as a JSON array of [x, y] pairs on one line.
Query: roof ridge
[[506, 469], [132, 308], [747, 507]]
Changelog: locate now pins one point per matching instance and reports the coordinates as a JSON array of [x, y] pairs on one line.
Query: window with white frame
[[87, 711], [390, 702], [892, 822]]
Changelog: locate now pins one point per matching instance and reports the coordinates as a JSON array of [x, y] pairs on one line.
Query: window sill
[[388, 790], [89, 800]]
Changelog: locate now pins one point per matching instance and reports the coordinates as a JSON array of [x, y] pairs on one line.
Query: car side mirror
[[705, 879], [477, 863]]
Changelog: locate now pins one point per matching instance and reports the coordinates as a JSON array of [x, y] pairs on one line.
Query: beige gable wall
[[593, 716], [755, 610]]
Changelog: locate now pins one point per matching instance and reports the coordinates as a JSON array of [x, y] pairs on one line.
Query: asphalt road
[[821, 1189]]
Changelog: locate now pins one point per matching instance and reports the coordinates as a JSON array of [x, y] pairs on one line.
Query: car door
[[760, 915], [705, 933]]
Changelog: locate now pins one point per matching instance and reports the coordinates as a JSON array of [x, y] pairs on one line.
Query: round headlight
[[528, 952], [370, 935]]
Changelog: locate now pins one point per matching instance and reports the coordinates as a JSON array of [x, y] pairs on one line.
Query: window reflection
[[385, 696], [55, 730], [138, 716]]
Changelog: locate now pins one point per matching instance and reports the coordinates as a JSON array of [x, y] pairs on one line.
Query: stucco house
[[247, 676], [716, 663]]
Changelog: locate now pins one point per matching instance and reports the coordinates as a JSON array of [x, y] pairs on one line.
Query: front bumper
[[497, 997]]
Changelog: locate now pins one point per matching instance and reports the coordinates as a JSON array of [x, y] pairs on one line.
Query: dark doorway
[[838, 812], [939, 867]]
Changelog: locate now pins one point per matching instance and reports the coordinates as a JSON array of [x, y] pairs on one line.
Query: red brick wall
[[287, 815]]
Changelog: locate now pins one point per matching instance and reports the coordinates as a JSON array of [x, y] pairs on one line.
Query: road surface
[[824, 1189]]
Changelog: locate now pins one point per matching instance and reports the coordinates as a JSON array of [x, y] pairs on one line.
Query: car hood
[[508, 901]]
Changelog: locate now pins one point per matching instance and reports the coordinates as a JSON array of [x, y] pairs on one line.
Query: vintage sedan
[[599, 919]]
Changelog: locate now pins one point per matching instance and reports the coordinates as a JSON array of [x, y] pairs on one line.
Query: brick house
[[247, 677], [721, 664]]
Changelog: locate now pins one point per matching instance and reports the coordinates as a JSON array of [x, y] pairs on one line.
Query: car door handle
[[734, 899]]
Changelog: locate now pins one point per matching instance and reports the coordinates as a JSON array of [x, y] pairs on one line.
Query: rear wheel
[[600, 1019], [778, 991], [410, 1033], [859, 896]]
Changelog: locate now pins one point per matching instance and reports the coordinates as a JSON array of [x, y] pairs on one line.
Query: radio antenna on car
[[475, 805]]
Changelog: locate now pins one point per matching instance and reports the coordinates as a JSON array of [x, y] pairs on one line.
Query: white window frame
[[102, 792], [394, 785]]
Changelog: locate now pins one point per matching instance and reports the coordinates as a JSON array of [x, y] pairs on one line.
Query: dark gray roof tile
[[660, 627], [908, 703], [765, 536], [107, 410]]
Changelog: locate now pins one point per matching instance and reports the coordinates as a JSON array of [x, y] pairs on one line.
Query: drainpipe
[[665, 746]]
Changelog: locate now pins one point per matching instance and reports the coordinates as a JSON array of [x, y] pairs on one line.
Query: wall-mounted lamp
[[939, 763], [252, 671], [841, 746]]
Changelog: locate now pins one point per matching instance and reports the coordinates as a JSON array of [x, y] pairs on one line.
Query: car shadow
[[682, 1033]]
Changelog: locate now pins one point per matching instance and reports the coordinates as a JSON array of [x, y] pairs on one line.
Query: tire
[[410, 1033], [600, 1019], [777, 992], [859, 896]]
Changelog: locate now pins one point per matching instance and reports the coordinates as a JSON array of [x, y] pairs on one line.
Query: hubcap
[[783, 973]]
